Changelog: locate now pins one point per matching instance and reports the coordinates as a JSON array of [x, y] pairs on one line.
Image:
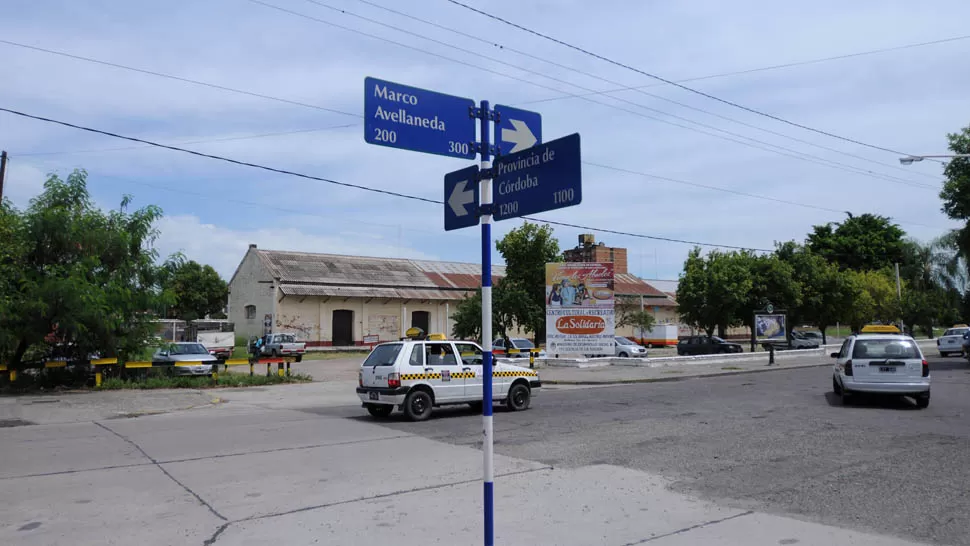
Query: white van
[[881, 364], [416, 376]]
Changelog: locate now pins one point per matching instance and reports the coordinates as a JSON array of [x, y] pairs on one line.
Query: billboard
[[579, 308], [770, 326]]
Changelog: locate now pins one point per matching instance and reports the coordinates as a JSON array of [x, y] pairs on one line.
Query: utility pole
[[3, 171], [899, 295]]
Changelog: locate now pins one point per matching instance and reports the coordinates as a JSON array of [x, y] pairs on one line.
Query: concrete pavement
[[269, 465]]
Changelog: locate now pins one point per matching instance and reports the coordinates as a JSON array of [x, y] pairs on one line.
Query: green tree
[[86, 280], [956, 189], [629, 314], [526, 251], [772, 281], [862, 243], [196, 290], [468, 314], [877, 300], [828, 293], [712, 290]]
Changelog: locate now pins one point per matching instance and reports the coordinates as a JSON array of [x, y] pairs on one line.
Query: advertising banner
[[770, 326], [579, 308]]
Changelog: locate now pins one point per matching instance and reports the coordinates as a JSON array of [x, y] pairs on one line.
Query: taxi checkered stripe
[[463, 375]]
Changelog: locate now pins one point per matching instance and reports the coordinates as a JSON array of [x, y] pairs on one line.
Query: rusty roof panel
[[372, 292]]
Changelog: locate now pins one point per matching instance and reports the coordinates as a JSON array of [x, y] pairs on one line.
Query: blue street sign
[[461, 198], [415, 119], [544, 177], [516, 129]]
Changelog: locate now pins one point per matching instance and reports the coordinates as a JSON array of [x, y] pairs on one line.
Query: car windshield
[[383, 355], [885, 348], [716, 339], [956, 331], [624, 341], [521, 343], [188, 349]]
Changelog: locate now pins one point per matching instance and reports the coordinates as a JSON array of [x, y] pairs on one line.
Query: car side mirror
[[834, 355], [163, 353]]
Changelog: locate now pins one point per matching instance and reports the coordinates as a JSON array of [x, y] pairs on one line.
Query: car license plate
[[889, 369], [373, 395]]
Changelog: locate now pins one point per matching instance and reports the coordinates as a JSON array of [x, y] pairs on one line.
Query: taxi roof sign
[[880, 329]]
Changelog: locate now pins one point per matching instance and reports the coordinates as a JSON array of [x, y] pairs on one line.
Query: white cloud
[[223, 248]]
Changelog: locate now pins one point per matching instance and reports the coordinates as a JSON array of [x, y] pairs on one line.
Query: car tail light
[[926, 369], [360, 379], [848, 367], [393, 380]]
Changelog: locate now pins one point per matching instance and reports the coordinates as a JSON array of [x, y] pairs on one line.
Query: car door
[[705, 346], [842, 357], [471, 368], [498, 347], [886, 360], [441, 361]]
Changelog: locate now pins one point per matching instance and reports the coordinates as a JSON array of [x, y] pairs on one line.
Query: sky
[[659, 161]]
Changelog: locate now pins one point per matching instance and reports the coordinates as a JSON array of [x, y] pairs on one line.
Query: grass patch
[[187, 382], [732, 368]]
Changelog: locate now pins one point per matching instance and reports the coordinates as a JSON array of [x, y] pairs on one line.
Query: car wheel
[[380, 410], [923, 401], [519, 397], [417, 405], [476, 406], [836, 388], [944, 355], [299, 358], [623, 355], [846, 397]]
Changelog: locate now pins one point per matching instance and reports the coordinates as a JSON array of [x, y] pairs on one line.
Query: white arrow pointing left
[[460, 198], [520, 134]]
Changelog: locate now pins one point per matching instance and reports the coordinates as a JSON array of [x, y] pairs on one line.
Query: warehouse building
[[333, 300]]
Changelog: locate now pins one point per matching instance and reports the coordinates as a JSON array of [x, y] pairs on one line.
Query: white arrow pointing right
[[460, 197], [521, 135]]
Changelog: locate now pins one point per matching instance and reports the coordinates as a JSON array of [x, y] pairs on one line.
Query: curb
[[676, 377]]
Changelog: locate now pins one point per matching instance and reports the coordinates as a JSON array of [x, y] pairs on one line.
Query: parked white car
[[951, 342], [626, 347], [881, 364], [417, 376]]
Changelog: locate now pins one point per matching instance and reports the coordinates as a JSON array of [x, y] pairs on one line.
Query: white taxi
[[416, 376], [881, 364], [951, 342]]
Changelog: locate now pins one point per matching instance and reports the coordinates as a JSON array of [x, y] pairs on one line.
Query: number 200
[[385, 135]]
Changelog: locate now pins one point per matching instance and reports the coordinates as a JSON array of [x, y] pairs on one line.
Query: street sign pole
[[485, 196]]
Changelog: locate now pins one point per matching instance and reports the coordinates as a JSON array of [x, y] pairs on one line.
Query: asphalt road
[[779, 442]]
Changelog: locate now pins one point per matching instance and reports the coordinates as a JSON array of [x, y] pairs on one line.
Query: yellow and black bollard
[[532, 359], [215, 372], [268, 369], [252, 369], [287, 368], [279, 369], [13, 375], [98, 376]]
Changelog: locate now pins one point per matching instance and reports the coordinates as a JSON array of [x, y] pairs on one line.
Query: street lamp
[[908, 160]]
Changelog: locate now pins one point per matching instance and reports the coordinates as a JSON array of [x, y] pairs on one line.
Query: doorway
[[421, 319], [343, 328]]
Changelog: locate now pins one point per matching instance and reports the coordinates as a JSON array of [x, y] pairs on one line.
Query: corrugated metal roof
[[300, 270], [371, 292]]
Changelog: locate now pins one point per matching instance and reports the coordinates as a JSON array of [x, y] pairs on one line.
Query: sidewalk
[[673, 371]]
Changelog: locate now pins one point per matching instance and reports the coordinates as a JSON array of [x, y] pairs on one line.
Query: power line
[[639, 89], [759, 143], [204, 141], [179, 78], [775, 66], [673, 83], [358, 186]]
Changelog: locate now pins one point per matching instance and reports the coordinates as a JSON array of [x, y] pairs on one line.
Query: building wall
[[597, 253], [311, 318], [252, 285]]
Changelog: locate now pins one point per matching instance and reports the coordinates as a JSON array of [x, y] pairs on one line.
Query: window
[[417, 356], [470, 353], [844, 352], [250, 311], [521, 343], [498, 344], [383, 355], [440, 354], [885, 348]]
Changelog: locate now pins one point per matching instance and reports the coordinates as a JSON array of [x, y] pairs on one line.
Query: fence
[[99, 366]]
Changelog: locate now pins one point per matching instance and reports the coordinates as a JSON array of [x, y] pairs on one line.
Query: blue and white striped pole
[[486, 203]]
